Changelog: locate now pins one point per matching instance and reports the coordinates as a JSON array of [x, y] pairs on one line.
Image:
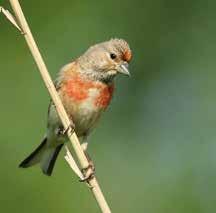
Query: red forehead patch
[[127, 56]]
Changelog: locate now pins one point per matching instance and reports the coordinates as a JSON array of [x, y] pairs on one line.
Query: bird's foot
[[88, 172], [62, 131]]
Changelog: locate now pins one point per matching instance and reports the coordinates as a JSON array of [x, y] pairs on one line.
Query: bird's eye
[[113, 55]]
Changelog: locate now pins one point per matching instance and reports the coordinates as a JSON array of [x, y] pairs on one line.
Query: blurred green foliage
[[155, 147]]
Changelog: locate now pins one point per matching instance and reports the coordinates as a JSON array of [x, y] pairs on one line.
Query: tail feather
[[48, 161], [44, 155], [35, 156]]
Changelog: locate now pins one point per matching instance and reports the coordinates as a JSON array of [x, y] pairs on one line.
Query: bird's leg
[[91, 163], [84, 147], [90, 170]]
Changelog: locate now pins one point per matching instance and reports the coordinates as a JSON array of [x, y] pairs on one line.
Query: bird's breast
[[84, 101], [93, 93]]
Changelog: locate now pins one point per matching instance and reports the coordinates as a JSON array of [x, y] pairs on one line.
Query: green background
[[155, 147]]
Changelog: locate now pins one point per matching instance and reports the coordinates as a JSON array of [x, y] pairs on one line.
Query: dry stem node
[[10, 17]]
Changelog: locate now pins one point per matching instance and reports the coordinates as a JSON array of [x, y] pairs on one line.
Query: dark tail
[[44, 155], [49, 158], [35, 156]]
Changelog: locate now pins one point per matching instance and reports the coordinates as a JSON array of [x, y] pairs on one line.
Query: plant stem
[[95, 188]]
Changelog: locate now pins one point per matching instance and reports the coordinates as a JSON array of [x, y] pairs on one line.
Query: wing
[[66, 70]]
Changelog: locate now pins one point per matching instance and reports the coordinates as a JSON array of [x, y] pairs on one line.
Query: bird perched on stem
[[85, 87]]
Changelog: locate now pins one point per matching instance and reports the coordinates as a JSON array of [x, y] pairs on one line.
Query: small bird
[[85, 87]]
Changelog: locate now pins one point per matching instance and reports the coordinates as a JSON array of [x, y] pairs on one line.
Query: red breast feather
[[78, 88], [105, 96]]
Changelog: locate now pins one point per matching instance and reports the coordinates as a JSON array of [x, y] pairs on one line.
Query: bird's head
[[105, 60]]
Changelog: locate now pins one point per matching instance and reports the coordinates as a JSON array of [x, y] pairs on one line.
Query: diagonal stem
[[95, 188]]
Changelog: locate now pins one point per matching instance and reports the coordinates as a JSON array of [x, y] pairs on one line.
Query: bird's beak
[[123, 68]]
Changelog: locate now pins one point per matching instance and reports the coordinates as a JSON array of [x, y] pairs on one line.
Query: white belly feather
[[88, 113]]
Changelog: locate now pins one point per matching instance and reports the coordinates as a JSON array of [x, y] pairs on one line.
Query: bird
[[85, 87]]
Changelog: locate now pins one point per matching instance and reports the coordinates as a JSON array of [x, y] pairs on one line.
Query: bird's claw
[[88, 172], [63, 131]]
